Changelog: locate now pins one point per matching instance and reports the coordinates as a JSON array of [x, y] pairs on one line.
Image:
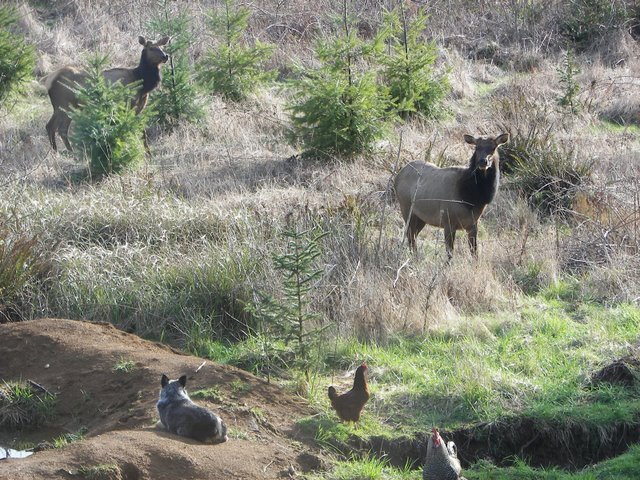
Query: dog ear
[[183, 380], [164, 380]]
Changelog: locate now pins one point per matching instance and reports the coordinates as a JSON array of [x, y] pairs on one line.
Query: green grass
[[623, 467], [100, 472], [366, 468], [610, 126], [22, 406], [535, 364]]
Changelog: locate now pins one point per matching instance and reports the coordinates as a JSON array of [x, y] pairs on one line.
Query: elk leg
[[65, 122], [51, 132], [414, 228], [472, 237], [449, 238]]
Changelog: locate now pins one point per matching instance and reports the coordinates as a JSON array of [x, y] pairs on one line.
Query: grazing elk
[[452, 198], [62, 83]]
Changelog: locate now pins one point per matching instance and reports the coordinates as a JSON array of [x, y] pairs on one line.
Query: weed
[[587, 21], [212, 393], [259, 414], [105, 471], [67, 438], [238, 387], [236, 434], [123, 365], [368, 467]]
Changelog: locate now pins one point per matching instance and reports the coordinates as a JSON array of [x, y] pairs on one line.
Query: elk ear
[[163, 41], [142, 40], [469, 139], [183, 380], [164, 380], [504, 138]]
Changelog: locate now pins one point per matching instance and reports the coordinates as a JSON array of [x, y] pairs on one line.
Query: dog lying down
[[179, 415]]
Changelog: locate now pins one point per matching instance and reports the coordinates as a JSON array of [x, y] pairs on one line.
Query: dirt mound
[[107, 383], [624, 372]]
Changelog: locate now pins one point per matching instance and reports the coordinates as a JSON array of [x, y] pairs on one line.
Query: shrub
[[546, 173], [414, 87], [233, 69], [17, 58], [106, 127], [586, 21], [339, 109], [179, 100], [549, 176]]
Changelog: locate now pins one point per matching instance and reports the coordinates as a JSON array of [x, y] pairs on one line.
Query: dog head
[[173, 389]]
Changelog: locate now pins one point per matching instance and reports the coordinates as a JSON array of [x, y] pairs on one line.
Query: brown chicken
[[349, 405]]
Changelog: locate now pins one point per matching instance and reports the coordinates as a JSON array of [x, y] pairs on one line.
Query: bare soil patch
[[75, 361]]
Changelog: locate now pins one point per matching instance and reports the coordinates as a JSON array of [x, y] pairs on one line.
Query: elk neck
[[148, 73], [478, 187]]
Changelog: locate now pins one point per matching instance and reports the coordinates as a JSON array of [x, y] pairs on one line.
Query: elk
[[452, 198], [62, 83]]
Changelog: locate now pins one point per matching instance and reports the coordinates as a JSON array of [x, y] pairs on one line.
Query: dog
[[179, 415]]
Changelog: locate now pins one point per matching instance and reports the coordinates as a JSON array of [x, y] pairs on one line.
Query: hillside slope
[[75, 360]]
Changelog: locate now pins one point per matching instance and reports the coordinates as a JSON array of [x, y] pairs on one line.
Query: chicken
[[349, 405], [442, 461]]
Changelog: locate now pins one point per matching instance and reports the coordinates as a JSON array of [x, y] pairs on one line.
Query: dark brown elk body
[[451, 198], [62, 83]]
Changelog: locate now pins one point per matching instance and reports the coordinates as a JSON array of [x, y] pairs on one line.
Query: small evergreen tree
[[17, 58], [179, 100], [339, 108], [570, 86], [414, 87], [233, 69], [287, 319], [106, 127]]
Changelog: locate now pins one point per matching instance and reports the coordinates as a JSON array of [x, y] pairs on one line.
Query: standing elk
[[452, 198], [62, 83]]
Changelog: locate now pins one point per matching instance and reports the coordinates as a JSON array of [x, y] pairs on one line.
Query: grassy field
[[500, 349]]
